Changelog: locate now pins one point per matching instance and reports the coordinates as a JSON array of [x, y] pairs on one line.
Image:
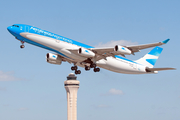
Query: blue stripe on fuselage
[[38, 31], [55, 36]]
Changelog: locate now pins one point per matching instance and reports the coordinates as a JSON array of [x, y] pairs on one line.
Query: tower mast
[[71, 85]]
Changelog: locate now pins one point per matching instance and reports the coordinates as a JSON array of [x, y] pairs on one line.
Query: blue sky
[[32, 89]]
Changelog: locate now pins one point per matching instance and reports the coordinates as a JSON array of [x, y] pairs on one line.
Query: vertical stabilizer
[[150, 59]]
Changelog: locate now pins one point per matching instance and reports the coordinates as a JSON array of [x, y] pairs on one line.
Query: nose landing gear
[[22, 46]]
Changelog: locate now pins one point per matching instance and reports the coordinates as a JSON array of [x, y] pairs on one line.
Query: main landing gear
[[76, 71], [22, 46], [87, 68], [95, 68]]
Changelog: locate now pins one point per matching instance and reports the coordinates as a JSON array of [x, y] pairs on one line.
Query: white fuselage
[[115, 64]]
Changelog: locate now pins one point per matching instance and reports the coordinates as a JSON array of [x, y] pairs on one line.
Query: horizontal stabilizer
[[158, 69]]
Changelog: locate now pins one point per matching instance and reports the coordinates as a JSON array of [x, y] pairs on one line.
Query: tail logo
[[151, 61], [151, 58]]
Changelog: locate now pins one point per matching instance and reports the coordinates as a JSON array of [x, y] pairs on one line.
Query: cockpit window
[[15, 25]]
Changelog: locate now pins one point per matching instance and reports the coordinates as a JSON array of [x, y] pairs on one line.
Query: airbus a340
[[88, 57]]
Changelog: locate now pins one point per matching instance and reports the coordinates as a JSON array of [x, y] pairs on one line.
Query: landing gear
[[22, 46], [94, 66], [87, 68], [96, 69], [74, 68], [76, 71]]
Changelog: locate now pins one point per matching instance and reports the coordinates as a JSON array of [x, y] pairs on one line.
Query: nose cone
[[10, 29]]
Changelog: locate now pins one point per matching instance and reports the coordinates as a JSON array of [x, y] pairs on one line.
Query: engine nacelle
[[122, 50], [86, 53], [53, 58]]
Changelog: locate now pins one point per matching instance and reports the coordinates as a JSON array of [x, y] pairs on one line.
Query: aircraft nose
[[9, 29]]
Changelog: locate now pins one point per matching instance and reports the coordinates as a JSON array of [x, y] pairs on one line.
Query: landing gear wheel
[[77, 72], [22, 46], [87, 68], [93, 65], [96, 69], [74, 68]]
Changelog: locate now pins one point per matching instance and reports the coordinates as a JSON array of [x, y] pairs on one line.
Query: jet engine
[[53, 58], [86, 53], [122, 50]]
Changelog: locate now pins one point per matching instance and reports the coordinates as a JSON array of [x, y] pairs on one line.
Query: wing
[[135, 48], [102, 53]]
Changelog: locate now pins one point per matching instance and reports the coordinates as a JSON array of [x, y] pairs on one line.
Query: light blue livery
[[88, 57]]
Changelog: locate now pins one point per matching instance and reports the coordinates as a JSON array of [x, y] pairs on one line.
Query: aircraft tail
[[150, 59]]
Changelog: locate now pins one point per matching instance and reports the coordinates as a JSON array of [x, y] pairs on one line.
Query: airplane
[[88, 57]]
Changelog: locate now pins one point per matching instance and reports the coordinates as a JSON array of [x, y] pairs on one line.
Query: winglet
[[165, 41]]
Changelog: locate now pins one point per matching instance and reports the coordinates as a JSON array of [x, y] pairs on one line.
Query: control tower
[[71, 85]]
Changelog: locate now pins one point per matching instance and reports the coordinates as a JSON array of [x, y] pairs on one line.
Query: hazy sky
[[32, 89]]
